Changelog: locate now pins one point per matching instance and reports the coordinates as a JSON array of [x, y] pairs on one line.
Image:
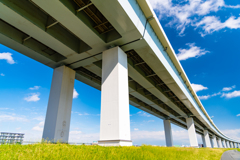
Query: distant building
[[11, 138]]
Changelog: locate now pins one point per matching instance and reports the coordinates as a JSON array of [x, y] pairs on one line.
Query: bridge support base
[[57, 122], [207, 139], [220, 143], [168, 133], [215, 142], [192, 132], [115, 120]]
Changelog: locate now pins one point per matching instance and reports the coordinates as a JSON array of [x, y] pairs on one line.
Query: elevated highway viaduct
[[116, 46]]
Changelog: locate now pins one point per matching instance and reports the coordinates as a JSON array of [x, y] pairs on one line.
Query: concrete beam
[[168, 133], [57, 122], [192, 132], [115, 120]]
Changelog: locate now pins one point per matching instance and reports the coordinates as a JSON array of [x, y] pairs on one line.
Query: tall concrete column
[[234, 145], [238, 145], [203, 141], [192, 132], [57, 122], [211, 140], [228, 144], [168, 133], [115, 120], [220, 143], [206, 138], [224, 143], [215, 142]]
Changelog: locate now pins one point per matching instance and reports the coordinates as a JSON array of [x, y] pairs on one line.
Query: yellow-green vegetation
[[65, 151]]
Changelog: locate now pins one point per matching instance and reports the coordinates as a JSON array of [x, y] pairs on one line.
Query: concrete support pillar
[[168, 133], [238, 145], [219, 143], [203, 141], [57, 122], [115, 120], [215, 142], [224, 143], [234, 145], [192, 132], [228, 144], [206, 139], [211, 140]]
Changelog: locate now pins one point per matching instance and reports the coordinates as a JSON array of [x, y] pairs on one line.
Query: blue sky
[[205, 36]]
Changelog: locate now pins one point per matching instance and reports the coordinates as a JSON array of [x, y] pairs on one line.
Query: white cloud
[[2, 74], [135, 129], [238, 115], [8, 57], [18, 128], [233, 133], [13, 117], [75, 94], [40, 118], [33, 97], [6, 109], [79, 136], [228, 88], [182, 13], [192, 52], [185, 13], [211, 24], [150, 121], [204, 97], [34, 88], [39, 127], [84, 114], [181, 135], [231, 94], [198, 87], [142, 113]]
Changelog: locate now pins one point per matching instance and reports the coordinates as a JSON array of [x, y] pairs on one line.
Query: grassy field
[[65, 151]]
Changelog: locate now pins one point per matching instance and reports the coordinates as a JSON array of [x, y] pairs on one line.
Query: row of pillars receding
[[115, 120]]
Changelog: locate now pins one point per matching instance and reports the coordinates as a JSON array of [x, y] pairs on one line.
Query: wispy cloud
[[33, 97], [204, 97], [228, 88], [8, 57], [210, 24], [238, 115], [34, 88], [142, 113], [12, 117], [231, 94], [192, 12], [75, 93], [135, 129], [2, 74], [38, 127], [84, 114], [192, 52], [198, 87]]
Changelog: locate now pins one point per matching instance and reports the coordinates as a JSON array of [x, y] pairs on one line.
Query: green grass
[[65, 151]]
